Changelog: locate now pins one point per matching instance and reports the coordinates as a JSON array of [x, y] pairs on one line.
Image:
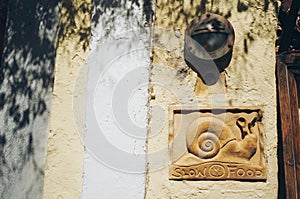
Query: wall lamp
[[208, 46]]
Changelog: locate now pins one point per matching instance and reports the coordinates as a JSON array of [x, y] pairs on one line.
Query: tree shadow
[[252, 20], [31, 37], [26, 81], [32, 33]]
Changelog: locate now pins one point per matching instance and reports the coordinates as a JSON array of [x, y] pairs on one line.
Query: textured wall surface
[[26, 80], [64, 166], [248, 81], [115, 157]]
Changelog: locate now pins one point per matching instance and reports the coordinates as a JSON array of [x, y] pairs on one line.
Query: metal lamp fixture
[[208, 46]]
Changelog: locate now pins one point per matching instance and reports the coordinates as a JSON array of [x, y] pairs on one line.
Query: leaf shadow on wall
[[26, 80], [33, 32], [107, 13], [252, 22]]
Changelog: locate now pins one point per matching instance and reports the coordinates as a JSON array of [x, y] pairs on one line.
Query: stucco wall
[[119, 55], [116, 118], [114, 131], [64, 166], [248, 81], [26, 80]]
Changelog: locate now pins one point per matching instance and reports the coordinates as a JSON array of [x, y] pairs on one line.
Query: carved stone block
[[216, 144]]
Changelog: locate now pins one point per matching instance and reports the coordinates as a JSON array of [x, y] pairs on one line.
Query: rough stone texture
[[26, 80], [248, 81], [64, 166]]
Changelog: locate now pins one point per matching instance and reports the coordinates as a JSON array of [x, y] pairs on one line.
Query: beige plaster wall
[[248, 81], [64, 165]]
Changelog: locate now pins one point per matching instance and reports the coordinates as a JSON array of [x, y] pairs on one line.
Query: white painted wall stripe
[[116, 116]]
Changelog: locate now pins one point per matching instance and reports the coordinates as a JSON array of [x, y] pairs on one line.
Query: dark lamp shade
[[208, 46], [211, 41]]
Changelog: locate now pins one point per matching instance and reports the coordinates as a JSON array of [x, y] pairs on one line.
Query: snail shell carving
[[206, 136]]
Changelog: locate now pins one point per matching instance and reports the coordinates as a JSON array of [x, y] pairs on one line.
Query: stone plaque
[[216, 144]]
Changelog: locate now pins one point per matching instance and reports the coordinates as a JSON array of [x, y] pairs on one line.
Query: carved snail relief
[[206, 136], [211, 138], [214, 145], [247, 147]]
